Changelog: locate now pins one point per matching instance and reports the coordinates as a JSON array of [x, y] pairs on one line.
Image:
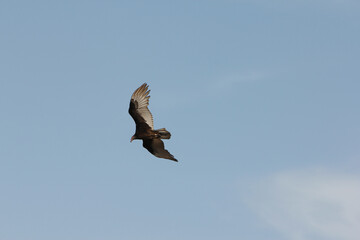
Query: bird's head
[[132, 138]]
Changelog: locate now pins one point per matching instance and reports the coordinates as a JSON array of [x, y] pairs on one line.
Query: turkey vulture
[[145, 126]]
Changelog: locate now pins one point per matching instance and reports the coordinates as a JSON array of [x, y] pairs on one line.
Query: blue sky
[[261, 97]]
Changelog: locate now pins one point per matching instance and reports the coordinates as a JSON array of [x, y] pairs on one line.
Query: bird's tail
[[164, 134]]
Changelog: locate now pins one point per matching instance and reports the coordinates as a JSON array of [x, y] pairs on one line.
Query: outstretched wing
[[156, 147], [138, 106]]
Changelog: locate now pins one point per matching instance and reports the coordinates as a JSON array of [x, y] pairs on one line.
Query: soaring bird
[[143, 118]]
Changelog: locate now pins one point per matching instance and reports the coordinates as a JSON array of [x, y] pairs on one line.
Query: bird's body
[[145, 126]]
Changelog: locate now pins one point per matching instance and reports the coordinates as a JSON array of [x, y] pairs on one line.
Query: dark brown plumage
[[139, 111]]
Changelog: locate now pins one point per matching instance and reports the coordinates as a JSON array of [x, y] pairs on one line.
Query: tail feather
[[164, 134]]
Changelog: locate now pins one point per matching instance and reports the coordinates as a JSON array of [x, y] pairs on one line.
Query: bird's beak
[[132, 138]]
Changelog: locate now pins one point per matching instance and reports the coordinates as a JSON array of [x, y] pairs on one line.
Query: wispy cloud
[[205, 90], [228, 81], [309, 205]]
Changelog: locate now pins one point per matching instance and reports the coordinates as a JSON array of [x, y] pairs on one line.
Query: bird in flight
[[143, 118]]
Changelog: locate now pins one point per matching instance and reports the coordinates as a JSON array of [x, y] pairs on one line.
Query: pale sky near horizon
[[261, 97]]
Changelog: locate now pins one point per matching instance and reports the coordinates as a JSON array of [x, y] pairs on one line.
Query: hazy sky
[[261, 97]]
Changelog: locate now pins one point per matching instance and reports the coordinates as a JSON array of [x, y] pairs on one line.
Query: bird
[[143, 118]]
